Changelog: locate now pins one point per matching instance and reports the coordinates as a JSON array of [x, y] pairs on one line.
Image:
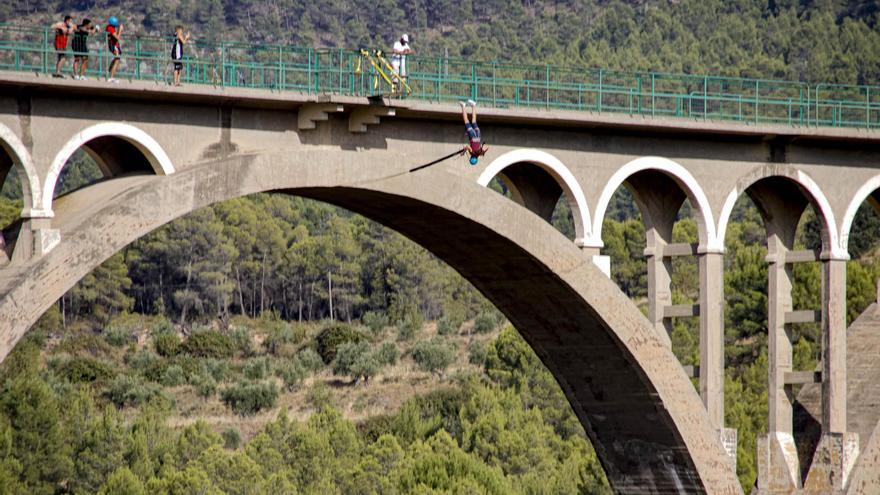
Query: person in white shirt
[[398, 57]]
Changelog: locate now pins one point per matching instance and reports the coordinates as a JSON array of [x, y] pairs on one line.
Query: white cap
[[405, 38]]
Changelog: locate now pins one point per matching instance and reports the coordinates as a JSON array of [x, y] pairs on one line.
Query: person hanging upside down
[[475, 140]]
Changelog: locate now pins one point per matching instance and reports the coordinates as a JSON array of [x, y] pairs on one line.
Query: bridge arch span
[[652, 169], [637, 405], [21, 159], [535, 180], [116, 147], [781, 187]]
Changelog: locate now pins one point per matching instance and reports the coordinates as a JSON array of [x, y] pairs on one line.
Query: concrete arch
[[801, 179], [148, 147], [688, 184], [637, 405], [849, 216], [580, 209], [30, 179]]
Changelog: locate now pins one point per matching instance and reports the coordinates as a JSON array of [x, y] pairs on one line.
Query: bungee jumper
[[475, 145]]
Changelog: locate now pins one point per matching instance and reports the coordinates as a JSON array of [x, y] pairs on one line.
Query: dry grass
[[384, 394]]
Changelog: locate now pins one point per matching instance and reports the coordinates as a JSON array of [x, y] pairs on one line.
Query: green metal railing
[[339, 71]]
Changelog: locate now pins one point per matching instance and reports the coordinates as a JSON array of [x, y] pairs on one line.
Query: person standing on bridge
[[398, 57], [62, 34], [81, 48], [177, 52], [475, 139], [114, 34]]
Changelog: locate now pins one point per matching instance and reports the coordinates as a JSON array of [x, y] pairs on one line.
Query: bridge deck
[[18, 83]]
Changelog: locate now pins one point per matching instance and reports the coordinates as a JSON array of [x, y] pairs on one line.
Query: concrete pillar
[[778, 304], [833, 346], [712, 335], [659, 285]]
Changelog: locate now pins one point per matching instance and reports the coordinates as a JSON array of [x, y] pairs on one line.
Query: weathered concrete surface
[[863, 403], [628, 390]]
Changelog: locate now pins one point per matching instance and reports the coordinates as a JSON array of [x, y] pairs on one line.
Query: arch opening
[[648, 211], [541, 183], [115, 149], [771, 215]]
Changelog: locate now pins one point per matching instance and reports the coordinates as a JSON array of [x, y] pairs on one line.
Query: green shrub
[[231, 438], [85, 370], [448, 325], [127, 390], [208, 344], [477, 353], [204, 385], [291, 372], [410, 325], [433, 355], [84, 343], [310, 360], [347, 354], [117, 337], [250, 398], [283, 338], [257, 368], [147, 363], [375, 321], [242, 342], [388, 354], [167, 344], [487, 321], [174, 376], [333, 336], [218, 369]]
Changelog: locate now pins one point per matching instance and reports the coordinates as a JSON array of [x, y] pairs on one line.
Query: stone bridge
[[167, 152]]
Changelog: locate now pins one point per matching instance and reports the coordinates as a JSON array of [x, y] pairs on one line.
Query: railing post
[[867, 107], [309, 55], [757, 93], [547, 79], [705, 97], [137, 58], [222, 65], [495, 83], [599, 102], [653, 95], [474, 84], [639, 93], [45, 50]]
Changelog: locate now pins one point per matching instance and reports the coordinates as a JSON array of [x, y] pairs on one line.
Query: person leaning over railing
[[81, 48], [177, 52], [62, 33], [114, 34]]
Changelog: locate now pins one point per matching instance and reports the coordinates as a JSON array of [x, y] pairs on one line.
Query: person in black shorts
[[81, 48], [177, 52], [62, 34], [474, 147]]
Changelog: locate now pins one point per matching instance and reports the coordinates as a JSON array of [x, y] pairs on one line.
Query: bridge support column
[[659, 285], [35, 238], [712, 335], [778, 466], [833, 346]]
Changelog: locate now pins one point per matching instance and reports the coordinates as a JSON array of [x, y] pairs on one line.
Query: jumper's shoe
[[472, 103], [58, 76], [113, 80]]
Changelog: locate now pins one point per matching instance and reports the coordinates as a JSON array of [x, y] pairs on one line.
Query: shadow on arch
[[638, 407]]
